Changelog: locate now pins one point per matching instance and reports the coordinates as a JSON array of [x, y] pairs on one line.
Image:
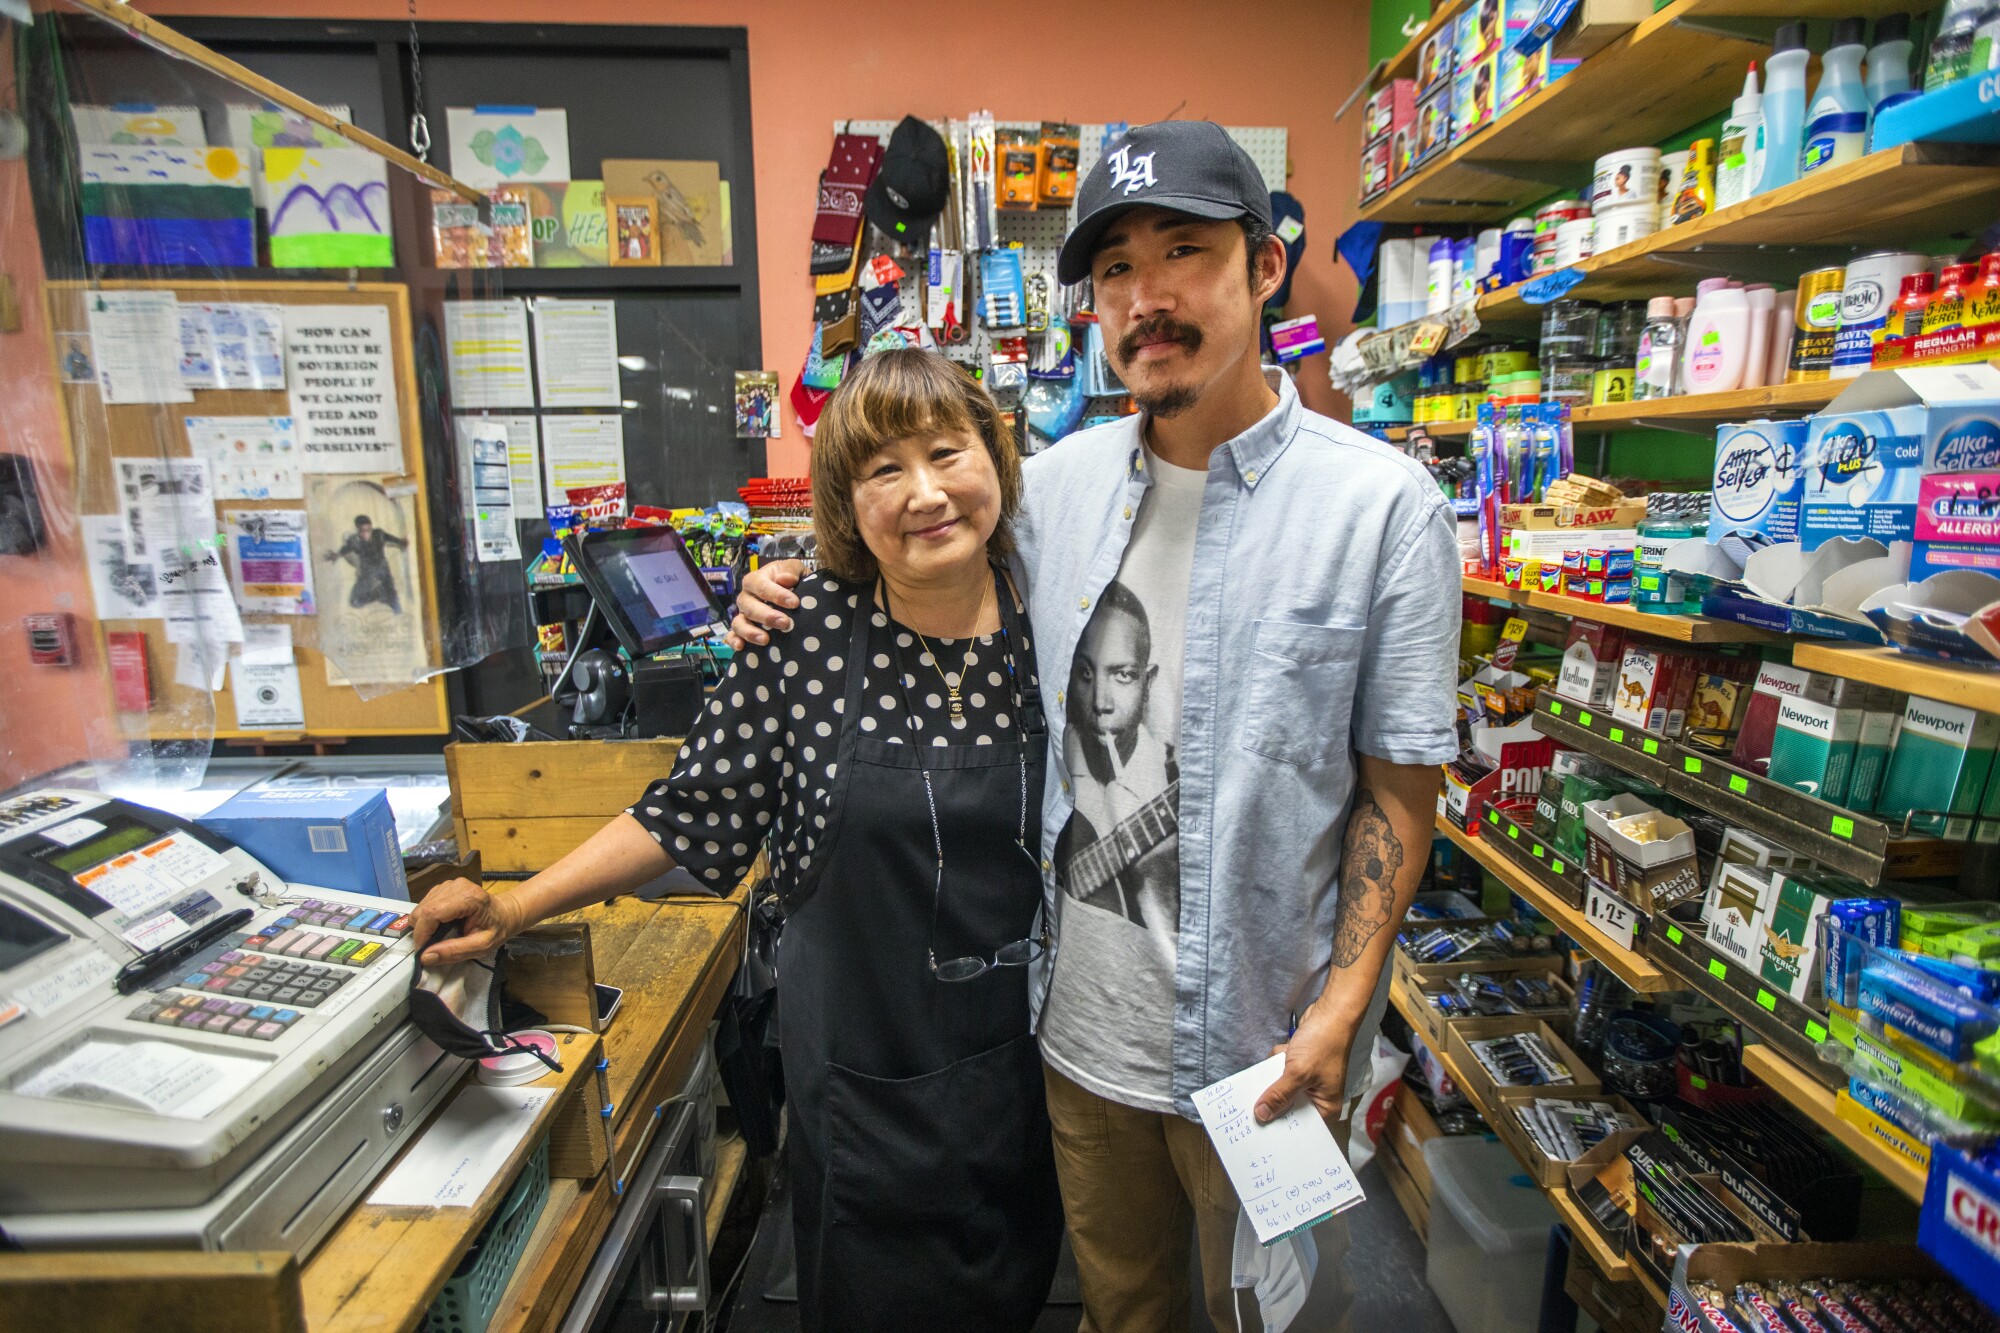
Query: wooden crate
[[524, 807]]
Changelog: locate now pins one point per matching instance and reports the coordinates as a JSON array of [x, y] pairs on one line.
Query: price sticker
[[1556, 867], [1512, 635], [1717, 970], [1768, 1000], [1618, 735], [1514, 831], [1538, 850], [1674, 935], [1690, 764], [1843, 827], [1614, 918], [1555, 707], [1583, 719], [1651, 747], [1815, 1031], [1739, 784]]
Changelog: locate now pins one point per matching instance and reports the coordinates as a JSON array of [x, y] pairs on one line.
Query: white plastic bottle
[[1762, 298], [1740, 154], [1718, 338], [1659, 351], [1837, 123], [1784, 327], [1438, 293], [1784, 107], [1889, 60]]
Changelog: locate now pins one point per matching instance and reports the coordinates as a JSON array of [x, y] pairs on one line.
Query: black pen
[[149, 965]]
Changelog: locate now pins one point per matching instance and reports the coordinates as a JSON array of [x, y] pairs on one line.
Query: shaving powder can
[[1816, 321]]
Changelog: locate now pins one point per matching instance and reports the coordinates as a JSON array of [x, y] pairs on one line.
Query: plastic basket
[[468, 1300]]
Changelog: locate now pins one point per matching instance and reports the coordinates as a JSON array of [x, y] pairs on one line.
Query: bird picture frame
[[687, 198]]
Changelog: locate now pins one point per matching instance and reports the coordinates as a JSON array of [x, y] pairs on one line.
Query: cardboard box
[[1940, 764], [1655, 685], [1728, 1266], [342, 838], [1480, 29], [1475, 96], [1789, 950], [1958, 524], [1391, 106], [1591, 658], [1547, 1171], [1759, 480], [1734, 910], [1377, 169], [1960, 1223], [1623, 515], [1594, 24], [1881, 715], [1437, 58], [1478, 1085], [1434, 125], [1657, 875], [1812, 748], [1616, 1307]]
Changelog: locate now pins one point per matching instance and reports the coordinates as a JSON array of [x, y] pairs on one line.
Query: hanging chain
[[420, 128]]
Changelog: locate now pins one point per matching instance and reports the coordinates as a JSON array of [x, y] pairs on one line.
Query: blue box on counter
[[1960, 1223], [332, 839]]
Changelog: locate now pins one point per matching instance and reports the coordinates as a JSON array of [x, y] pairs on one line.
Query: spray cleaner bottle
[[1741, 152], [1889, 60], [1837, 124], [1951, 48], [1784, 107]]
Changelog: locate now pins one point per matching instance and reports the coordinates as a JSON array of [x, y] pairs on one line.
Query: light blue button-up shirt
[[1322, 620]]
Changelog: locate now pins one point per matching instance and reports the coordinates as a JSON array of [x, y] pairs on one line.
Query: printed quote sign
[[343, 388]]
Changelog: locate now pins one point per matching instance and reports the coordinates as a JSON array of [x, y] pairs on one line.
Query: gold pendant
[[957, 708]]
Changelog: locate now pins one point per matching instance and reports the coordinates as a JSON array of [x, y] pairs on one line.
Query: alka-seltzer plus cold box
[[1871, 448], [1939, 768], [1758, 480]]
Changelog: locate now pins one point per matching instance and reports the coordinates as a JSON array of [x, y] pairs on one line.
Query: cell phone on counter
[[608, 1000]]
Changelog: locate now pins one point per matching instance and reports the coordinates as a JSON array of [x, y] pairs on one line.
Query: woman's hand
[[765, 590], [491, 919]]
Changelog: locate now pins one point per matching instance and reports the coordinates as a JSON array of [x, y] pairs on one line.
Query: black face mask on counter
[[457, 1005]]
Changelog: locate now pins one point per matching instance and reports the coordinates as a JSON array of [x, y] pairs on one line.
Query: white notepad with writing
[[1288, 1174]]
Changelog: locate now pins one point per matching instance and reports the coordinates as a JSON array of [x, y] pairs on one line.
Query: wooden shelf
[[1627, 966], [1622, 95], [1676, 629], [1815, 1101], [1885, 197], [1968, 687], [730, 1156], [1695, 413]]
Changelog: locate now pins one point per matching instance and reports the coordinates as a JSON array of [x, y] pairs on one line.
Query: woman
[[890, 750]]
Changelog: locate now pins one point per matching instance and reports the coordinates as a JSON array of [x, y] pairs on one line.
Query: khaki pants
[[1132, 1181]]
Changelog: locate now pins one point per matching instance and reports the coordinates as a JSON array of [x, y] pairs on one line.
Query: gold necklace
[[951, 690]]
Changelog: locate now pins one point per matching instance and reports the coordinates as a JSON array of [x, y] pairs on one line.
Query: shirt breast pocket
[[1299, 695]]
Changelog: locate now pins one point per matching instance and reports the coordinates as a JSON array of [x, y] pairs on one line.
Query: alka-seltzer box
[[1939, 767], [1872, 446], [1958, 524], [1759, 480], [1813, 747], [1776, 682], [1590, 663], [1391, 106]]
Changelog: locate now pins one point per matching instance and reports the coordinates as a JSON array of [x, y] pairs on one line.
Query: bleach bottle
[[1837, 125], [1784, 107]]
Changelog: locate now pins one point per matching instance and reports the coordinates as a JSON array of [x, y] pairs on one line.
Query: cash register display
[[645, 578], [143, 881]]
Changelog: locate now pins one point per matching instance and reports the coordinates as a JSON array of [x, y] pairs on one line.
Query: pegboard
[[1040, 234]]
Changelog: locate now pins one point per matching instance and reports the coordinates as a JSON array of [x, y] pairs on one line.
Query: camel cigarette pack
[[1939, 767], [1812, 748]]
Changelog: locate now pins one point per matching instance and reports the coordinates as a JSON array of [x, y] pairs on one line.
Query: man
[[368, 551], [1300, 582]]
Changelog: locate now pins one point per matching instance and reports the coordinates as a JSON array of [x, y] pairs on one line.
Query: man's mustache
[[1159, 328]]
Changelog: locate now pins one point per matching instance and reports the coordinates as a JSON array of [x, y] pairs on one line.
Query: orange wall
[[1250, 62]]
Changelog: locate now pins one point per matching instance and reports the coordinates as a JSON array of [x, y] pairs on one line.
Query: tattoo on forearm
[[1371, 856]]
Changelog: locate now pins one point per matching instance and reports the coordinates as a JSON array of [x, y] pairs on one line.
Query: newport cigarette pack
[[1939, 767]]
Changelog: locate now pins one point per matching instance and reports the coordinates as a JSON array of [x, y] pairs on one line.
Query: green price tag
[[1815, 1031], [1843, 827], [1555, 708], [1716, 969], [1652, 747], [1583, 719], [1556, 866], [1697, 1082], [1538, 851], [1493, 816], [1768, 1000], [1690, 764], [1514, 831], [1739, 784], [1674, 934], [1618, 734]]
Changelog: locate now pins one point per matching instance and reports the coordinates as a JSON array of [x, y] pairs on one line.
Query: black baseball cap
[[912, 184], [1189, 166]]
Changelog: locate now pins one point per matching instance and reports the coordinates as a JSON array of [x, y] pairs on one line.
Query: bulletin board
[[99, 432]]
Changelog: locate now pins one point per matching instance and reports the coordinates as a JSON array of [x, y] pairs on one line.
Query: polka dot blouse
[[760, 762]]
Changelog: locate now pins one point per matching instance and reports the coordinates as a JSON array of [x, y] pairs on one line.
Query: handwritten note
[[1289, 1174], [463, 1149]]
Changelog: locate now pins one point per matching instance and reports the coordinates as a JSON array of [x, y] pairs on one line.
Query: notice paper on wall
[[576, 352], [583, 451], [343, 388], [164, 503], [195, 596], [264, 681], [136, 340], [486, 351], [271, 561], [249, 341], [1290, 1173], [197, 348], [124, 586], [462, 1150], [490, 492], [524, 456], [249, 458]]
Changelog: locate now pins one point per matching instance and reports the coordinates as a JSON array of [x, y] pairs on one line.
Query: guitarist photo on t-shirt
[[1120, 850]]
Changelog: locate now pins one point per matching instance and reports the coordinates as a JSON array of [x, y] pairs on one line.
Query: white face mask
[[1281, 1273]]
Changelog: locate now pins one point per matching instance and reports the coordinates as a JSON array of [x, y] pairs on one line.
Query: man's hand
[[490, 921], [1315, 1064], [766, 589]]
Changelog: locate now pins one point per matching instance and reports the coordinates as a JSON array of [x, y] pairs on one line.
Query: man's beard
[[1168, 400]]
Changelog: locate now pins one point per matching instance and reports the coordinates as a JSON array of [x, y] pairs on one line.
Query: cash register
[[193, 1053]]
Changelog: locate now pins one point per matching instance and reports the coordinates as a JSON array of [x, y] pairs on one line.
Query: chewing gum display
[[1924, 1008]]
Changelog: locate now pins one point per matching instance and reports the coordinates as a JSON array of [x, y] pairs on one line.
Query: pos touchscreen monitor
[[647, 587]]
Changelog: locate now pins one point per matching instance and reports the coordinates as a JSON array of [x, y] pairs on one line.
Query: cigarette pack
[[1938, 769], [1776, 681], [1812, 747]]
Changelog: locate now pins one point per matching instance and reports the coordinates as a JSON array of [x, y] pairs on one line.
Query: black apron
[[923, 1179]]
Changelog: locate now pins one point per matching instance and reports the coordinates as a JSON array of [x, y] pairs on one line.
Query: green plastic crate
[[467, 1302]]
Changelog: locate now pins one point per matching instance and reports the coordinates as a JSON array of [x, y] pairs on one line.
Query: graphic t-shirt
[[1109, 1022]]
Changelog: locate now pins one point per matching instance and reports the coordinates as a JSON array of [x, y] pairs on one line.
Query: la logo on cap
[[1134, 173]]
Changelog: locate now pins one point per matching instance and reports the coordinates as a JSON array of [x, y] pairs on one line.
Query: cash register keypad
[[244, 993]]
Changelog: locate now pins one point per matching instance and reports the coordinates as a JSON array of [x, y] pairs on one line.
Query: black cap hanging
[[912, 185]]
